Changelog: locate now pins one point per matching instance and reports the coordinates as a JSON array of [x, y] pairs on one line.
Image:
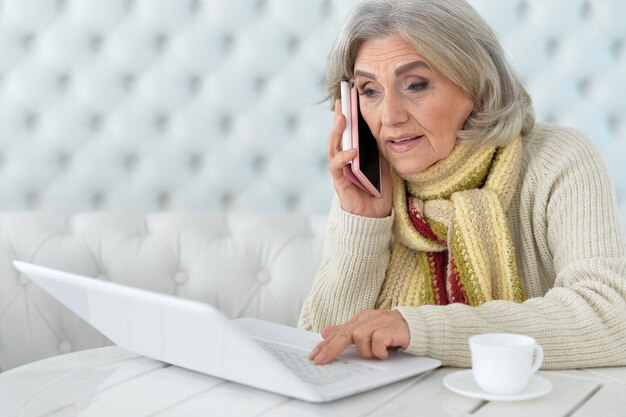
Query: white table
[[112, 382]]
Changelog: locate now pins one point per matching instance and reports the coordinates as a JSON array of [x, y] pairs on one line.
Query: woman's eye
[[418, 86], [368, 92]]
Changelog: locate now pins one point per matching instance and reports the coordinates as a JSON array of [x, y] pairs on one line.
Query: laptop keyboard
[[298, 362]]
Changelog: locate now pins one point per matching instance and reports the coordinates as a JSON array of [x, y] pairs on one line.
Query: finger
[[329, 333], [324, 342], [381, 340], [337, 113], [336, 164], [336, 132], [363, 341], [316, 350], [332, 329], [329, 330], [333, 348]]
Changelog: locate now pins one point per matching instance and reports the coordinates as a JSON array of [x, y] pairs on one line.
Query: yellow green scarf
[[452, 240]]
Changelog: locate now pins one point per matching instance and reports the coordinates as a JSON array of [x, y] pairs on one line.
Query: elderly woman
[[488, 221]]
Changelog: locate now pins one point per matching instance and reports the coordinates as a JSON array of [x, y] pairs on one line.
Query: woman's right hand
[[351, 197]]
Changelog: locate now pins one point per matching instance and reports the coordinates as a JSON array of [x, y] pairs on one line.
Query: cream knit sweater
[[570, 250]]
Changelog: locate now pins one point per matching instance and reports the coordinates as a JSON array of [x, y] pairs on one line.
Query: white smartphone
[[365, 169]]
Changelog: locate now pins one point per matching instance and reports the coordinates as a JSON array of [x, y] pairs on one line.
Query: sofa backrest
[[246, 265]]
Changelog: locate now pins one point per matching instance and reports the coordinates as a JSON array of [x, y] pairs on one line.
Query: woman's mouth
[[404, 144]]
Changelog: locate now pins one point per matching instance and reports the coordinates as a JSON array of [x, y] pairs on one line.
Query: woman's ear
[[467, 119]]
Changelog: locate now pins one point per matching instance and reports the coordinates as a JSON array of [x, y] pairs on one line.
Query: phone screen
[[369, 158]]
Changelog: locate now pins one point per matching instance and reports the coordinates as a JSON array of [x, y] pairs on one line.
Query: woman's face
[[413, 111]]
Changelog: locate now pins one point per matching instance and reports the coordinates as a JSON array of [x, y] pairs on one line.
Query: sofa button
[[181, 277], [24, 280], [263, 277], [65, 347]]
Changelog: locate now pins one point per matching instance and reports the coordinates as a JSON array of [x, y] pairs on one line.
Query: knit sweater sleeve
[[581, 320], [354, 261]]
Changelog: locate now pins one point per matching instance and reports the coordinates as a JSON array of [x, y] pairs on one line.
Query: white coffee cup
[[502, 363]]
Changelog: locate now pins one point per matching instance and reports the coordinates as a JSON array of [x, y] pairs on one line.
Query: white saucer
[[462, 382]]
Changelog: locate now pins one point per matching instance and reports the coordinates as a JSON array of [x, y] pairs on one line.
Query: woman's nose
[[393, 111]]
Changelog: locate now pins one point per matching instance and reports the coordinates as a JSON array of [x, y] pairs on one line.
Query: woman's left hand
[[372, 332]]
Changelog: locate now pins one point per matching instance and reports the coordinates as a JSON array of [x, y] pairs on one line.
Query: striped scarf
[[452, 240]]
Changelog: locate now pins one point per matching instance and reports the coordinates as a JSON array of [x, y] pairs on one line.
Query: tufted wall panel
[[212, 105], [245, 265]]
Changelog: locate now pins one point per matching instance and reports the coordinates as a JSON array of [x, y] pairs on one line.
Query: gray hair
[[457, 42]]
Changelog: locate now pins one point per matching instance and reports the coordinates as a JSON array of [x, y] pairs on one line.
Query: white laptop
[[197, 336]]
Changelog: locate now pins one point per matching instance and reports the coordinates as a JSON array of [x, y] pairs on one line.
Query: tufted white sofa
[[179, 145], [246, 265]]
